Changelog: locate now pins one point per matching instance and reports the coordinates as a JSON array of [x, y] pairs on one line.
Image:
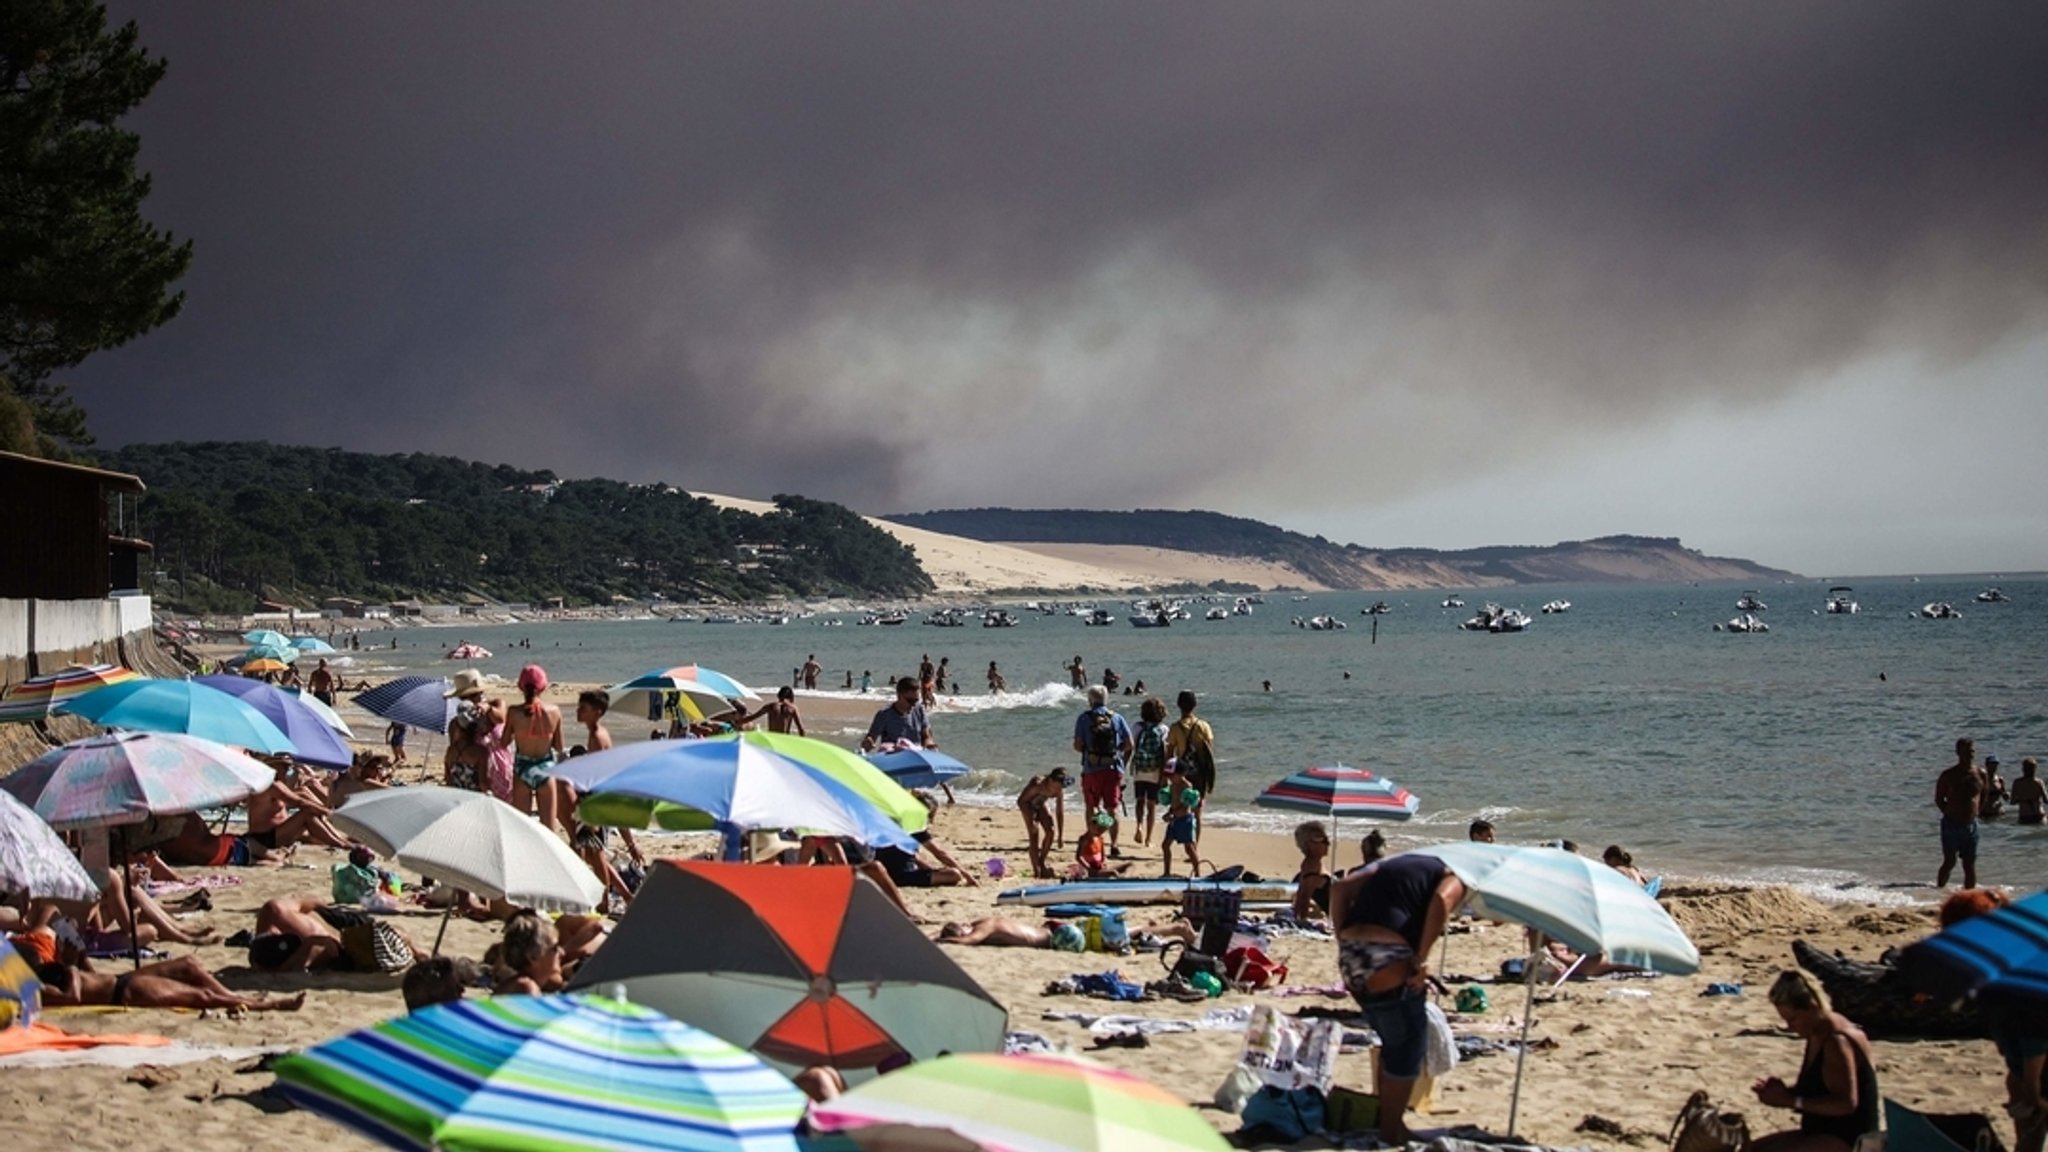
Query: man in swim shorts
[[1387, 921], [1957, 793]]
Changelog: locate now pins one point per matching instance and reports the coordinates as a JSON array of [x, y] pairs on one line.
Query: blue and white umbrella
[[919, 767], [186, 707], [2001, 958], [266, 638], [414, 701], [313, 740], [1567, 897], [313, 646]]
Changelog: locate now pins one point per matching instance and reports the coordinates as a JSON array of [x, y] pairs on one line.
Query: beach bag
[[1701, 1126], [1251, 969], [1189, 962], [388, 947], [1213, 912], [1282, 1116], [1196, 762], [1287, 1053]]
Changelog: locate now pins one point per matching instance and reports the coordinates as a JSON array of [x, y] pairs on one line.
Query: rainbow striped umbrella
[[545, 1072], [33, 698], [1337, 792], [1016, 1104]]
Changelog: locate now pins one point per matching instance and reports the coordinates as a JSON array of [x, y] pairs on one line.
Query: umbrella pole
[[128, 898], [1522, 1049], [445, 913]]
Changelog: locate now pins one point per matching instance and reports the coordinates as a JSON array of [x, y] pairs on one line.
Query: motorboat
[[778, 618], [1940, 610], [1379, 608], [1840, 603], [1494, 618], [1993, 596], [1557, 607], [468, 651], [1216, 614], [1243, 607], [721, 618], [945, 618], [1743, 623], [1156, 620], [1099, 617], [1749, 603], [1454, 601], [997, 618], [890, 620], [1320, 623]]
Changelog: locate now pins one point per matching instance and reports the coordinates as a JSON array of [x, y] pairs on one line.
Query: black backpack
[[1102, 742]]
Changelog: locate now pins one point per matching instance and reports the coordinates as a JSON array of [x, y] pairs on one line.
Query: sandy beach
[[1624, 1051]]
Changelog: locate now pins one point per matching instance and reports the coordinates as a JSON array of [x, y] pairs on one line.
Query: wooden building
[[67, 530]]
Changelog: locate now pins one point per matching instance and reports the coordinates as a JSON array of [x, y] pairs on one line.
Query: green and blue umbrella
[[313, 646], [181, 706], [1021, 1103], [545, 1072], [281, 653], [866, 780]]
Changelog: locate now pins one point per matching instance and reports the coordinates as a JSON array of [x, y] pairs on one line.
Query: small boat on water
[[1749, 603], [1379, 608], [1840, 603], [1496, 619], [1557, 607], [1454, 601], [998, 618], [721, 618], [891, 619], [1218, 613], [1159, 620], [1743, 623], [1099, 617], [1993, 596], [1939, 610], [1320, 623]]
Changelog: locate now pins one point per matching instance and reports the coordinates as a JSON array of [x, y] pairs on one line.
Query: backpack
[[1196, 763], [1102, 741]]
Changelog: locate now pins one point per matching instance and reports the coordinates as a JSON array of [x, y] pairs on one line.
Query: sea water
[[1806, 755]]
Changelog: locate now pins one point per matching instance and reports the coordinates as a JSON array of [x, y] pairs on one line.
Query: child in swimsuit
[[1092, 854], [1039, 823], [1180, 827]]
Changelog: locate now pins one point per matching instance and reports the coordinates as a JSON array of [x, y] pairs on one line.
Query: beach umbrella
[[1339, 792], [474, 842], [1570, 898], [280, 653], [35, 860], [697, 701], [918, 767], [414, 701], [851, 769], [327, 715], [2000, 957], [741, 785], [313, 646], [182, 706], [671, 679], [313, 739], [806, 966], [261, 667], [33, 698], [545, 1072], [266, 638], [21, 997], [1021, 1103]]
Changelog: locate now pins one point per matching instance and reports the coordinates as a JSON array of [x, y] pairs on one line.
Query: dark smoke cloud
[[917, 255]]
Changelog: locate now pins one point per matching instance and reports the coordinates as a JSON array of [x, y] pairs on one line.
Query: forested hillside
[[297, 523]]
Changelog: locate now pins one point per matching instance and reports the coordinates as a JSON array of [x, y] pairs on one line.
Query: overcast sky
[[1772, 277]]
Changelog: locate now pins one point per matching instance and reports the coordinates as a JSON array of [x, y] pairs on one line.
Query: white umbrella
[[33, 857], [473, 841], [1571, 898]]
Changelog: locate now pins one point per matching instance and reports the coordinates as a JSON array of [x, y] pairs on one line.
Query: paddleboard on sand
[[1135, 890]]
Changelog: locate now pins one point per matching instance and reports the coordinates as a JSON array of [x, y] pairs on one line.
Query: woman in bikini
[[1044, 804], [536, 728], [1836, 1093], [180, 983]]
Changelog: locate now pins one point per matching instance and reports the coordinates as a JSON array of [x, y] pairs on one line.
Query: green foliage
[[298, 523], [80, 269]]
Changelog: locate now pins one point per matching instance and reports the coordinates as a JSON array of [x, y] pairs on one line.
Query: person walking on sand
[[321, 684], [811, 671], [2028, 795], [1191, 751], [536, 728], [1104, 741], [1044, 805], [1957, 793], [781, 713], [1148, 766]]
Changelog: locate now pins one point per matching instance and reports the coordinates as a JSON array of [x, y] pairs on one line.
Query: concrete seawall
[[42, 636]]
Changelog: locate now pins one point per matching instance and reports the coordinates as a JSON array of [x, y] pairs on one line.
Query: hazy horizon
[[1770, 278]]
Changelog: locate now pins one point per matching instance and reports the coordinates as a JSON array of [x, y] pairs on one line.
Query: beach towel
[[40, 1037]]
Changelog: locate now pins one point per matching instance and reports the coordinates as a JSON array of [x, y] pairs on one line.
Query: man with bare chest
[[1957, 793]]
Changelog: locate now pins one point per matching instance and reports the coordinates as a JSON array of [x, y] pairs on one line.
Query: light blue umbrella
[[313, 739], [313, 646], [266, 638], [282, 653], [180, 706], [737, 783], [1566, 897], [919, 767], [553, 1072], [414, 701]]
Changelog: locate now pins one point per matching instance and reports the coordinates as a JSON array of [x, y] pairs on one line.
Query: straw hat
[[468, 682]]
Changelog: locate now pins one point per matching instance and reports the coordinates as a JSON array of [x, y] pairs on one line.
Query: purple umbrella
[[308, 731]]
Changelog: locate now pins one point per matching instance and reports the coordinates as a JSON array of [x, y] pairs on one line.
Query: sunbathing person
[[997, 932], [530, 958], [1312, 879], [1835, 1094], [285, 813], [105, 927], [179, 983], [1617, 858], [198, 846], [305, 933]]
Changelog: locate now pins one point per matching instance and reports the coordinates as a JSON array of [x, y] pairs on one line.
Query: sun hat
[[468, 682]]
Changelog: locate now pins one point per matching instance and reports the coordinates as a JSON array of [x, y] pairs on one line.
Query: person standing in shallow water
[[1957, 793]]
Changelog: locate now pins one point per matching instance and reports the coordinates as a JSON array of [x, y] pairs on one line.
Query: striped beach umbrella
[[33, 698], [553, 1072], [1034, 1103], [668, 678], [185, 707], [1340, 792], [2000, 957], [414, 701], [866, 780], [127, 777]]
